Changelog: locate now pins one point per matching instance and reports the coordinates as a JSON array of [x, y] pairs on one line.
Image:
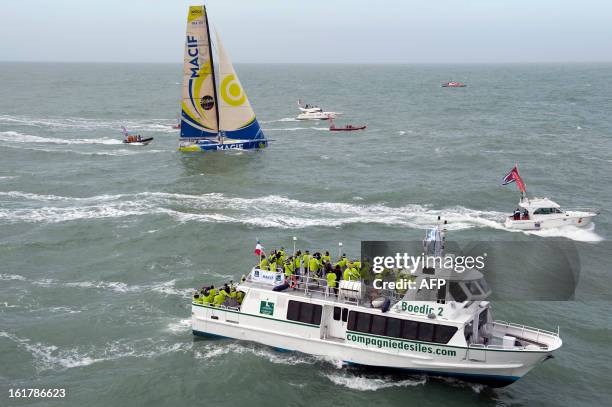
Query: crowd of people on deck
[[226, 295], [315, 265]]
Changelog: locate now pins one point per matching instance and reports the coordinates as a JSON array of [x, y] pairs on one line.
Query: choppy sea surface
[[102, 243]]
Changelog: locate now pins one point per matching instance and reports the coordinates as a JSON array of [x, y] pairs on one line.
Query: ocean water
[[101, 243]]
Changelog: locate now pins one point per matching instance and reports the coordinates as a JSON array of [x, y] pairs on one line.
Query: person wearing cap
[[343, 261]]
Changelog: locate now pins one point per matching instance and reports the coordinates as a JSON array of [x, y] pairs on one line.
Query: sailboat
[[215, 112]]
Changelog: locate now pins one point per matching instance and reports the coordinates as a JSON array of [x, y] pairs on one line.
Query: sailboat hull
[[228, 144]]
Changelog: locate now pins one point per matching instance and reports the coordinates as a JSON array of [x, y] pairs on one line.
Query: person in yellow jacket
[[354, 273], [219, 298], [357, 265], [289, 268], [326, 258], [331, 282], [297, 261], [263, 264], [212, 292], [196, 298], [343, 262], [239, 297], [306, 260], [208, 297], [350, 274], [314, 265], [280, 261]]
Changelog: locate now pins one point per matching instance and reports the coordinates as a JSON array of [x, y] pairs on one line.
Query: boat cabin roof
[[535, 203]]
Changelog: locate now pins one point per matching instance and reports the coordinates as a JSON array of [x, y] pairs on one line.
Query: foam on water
[[52, 357], [370, 383], [16, 137], [269, 211], [584, 234], [217, 350], [180, 327], [80, 123]]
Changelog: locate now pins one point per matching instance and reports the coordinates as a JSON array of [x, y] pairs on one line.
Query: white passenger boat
[[314, 113], [542, 213], [444, 332]]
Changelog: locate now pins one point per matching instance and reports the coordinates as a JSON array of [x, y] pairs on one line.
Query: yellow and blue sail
[[207, 114], [199, 99]]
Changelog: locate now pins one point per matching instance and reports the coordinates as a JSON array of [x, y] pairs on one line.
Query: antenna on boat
[[339, 248], [294, 240]]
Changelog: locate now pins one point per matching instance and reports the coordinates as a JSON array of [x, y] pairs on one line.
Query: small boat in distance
[[310, 112], [134, 139], [453, 85], [542, 213], [348, 127], [216, 113]]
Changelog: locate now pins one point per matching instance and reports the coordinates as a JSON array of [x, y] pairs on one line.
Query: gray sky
[[312, 30]]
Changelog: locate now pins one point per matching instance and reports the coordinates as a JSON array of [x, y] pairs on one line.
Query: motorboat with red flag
[[348, 127], [542, 213], [134, 139], [453, 84]]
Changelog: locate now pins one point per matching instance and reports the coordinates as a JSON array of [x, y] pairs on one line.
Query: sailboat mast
[[212, 67]]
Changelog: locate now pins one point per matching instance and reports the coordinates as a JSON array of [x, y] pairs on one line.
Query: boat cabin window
[[426, 332], [399, 328], [304, 312], [444, 333], [363, 322], [457, 292], [410, 329], [394, 327], [378, 325], [473, 287], [483, 285], [546, 211], [340, 313]]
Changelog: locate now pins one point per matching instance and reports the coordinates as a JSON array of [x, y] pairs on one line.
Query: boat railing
[[309, 285], [528, 333], [583, 209]]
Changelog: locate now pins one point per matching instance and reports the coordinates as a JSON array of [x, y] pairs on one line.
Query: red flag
[[513, 176]]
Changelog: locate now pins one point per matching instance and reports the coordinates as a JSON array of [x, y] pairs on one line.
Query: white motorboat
[[310, 112], [448, 331], [542, 213]]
